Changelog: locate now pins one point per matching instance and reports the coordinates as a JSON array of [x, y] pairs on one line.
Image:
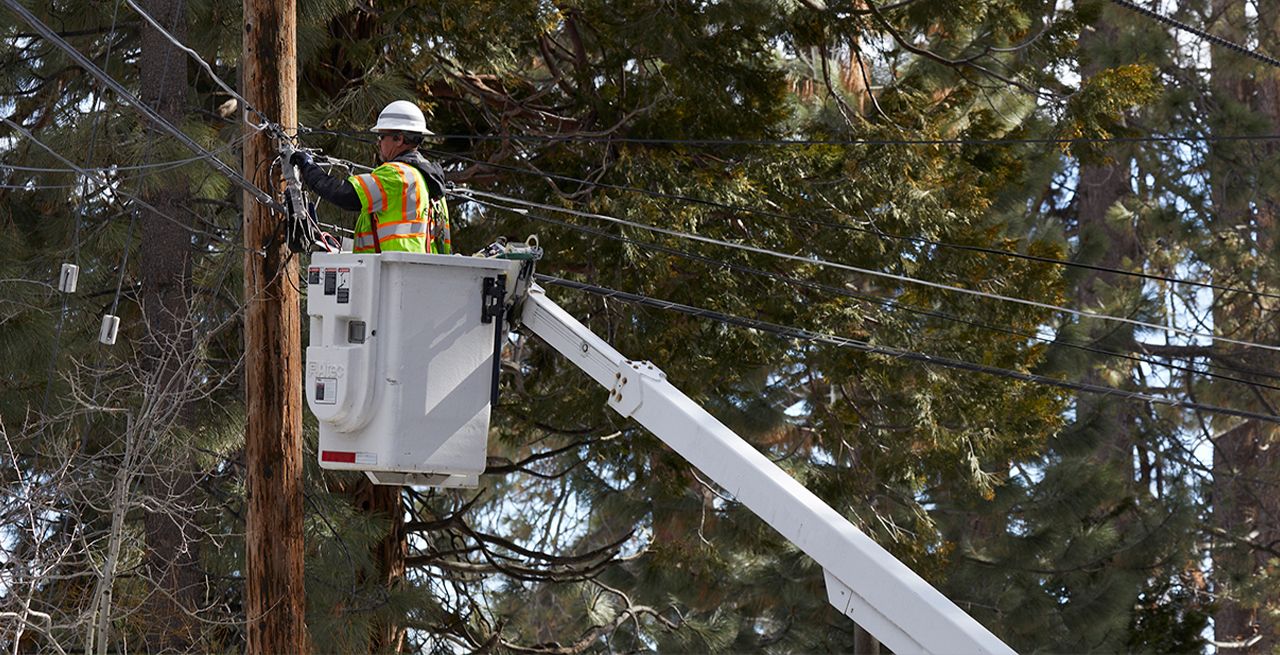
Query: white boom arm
[[863, 580]]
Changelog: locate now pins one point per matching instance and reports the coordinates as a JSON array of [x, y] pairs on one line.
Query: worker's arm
[[335, 190]]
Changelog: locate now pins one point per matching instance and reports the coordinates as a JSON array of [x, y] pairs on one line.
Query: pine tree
[[628, 480], [1087, 535], [1245, 516], [588, 534]]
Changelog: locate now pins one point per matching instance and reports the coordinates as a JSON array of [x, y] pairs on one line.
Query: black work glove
[[301, 158]]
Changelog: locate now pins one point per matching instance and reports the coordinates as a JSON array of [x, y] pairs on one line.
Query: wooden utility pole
[[274, 597]]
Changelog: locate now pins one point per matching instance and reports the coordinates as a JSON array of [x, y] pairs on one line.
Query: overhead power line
[[97, 177], [1211, 38], [898, 353], [817, 261], [787, 143], [37, 187], [877, 233], [264, 121], [890, 304], [867, 141], [142, 108], [160, 165]]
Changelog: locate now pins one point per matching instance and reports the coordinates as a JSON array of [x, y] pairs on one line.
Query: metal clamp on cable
[[302, 231]]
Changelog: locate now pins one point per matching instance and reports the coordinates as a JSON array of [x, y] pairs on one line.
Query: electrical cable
[[362, 137], [265, 122], [898, 353], [817, 261], [107, 183], [579, 138], [336, 228], [891, 304], [326, 160], [323, 160], [38, 187], [883, 235], [1214, 39], [157, 166], [124, 263], [867, 230], [147, 112]]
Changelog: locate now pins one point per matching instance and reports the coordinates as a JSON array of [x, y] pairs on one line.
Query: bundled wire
[[892, 304], [1211, 38], [817, 261], [933, 243]]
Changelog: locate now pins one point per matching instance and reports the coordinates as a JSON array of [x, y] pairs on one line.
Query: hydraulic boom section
[[863, 580]]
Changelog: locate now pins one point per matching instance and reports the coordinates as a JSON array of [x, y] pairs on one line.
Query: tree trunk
[[1113, 245], [389, 554], [856, 76], [165, 271], [274, 591], [1246, 460], [1101, 187], [1246, 508]]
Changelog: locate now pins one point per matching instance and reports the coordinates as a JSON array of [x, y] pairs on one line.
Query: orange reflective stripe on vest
[[389, 231]]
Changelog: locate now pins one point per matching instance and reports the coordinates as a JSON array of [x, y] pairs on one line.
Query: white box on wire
[[107, 330], [400, 366], [68, 277]]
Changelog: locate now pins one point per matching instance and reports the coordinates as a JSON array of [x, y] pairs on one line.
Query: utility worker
[[401, 202]]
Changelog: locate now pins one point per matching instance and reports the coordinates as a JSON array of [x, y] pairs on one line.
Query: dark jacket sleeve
[[336, 190]]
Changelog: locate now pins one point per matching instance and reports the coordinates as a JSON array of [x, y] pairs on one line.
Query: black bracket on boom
[[494, 299], [493, 305]]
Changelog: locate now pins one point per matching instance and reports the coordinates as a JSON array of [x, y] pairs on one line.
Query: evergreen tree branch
[[1272, 549], [968, 62]]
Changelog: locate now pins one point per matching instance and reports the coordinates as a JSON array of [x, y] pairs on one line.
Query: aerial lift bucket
[[402, 362]]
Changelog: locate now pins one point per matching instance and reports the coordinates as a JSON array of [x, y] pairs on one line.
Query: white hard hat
[[402, 116]]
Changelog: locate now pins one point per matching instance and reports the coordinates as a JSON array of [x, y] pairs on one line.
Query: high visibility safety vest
[[396, 206]]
